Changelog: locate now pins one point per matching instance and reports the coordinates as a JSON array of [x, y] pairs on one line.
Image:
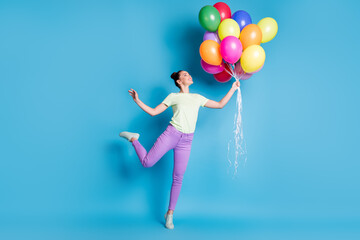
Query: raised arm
[[224, 100], [151, 111]]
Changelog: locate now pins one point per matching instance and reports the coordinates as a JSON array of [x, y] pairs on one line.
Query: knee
[[146, 163], [178, 178]]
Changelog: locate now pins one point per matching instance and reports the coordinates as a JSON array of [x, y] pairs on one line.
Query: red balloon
[[223, 9], [224, 76]]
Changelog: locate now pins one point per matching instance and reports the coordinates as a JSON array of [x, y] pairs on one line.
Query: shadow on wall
[[158, 177], [183, 40]]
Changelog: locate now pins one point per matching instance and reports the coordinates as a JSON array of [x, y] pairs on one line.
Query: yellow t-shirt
[[185, 108]]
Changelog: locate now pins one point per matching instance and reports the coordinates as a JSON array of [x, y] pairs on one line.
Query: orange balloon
[[210, 52], [250, 35]]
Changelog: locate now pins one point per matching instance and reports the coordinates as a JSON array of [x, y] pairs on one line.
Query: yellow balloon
[[228, 27], [252, 58], [269, 28]]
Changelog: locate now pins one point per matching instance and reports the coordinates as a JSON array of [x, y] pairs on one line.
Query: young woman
[[178, 134]]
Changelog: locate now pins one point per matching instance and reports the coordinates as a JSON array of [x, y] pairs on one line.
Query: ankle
[[133, 139]]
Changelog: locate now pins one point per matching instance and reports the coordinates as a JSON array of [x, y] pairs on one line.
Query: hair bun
[[173, 75]]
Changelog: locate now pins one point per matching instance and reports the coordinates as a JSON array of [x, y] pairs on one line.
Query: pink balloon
[[211, 68], [240, 73], [231, 49]]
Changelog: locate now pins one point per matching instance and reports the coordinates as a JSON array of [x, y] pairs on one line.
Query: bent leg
[[181, 158], [166, 141]]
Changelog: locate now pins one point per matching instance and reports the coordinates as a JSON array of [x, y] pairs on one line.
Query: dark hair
[[176, 76]]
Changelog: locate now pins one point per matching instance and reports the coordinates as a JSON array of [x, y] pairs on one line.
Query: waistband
[[172, 128]]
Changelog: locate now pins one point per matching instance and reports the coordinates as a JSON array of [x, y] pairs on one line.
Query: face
[[185, 78]]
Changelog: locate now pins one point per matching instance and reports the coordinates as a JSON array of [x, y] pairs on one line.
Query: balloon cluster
[[231, 44]]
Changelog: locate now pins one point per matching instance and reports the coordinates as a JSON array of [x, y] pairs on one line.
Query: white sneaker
[[129, 135], [169, 221]]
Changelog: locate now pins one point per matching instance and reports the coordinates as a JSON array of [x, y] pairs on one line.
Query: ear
[[178, 82]]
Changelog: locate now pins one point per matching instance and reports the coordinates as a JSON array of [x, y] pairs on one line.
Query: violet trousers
[[171, 138]]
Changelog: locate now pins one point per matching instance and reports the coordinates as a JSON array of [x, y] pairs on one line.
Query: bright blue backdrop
[[65, 69]]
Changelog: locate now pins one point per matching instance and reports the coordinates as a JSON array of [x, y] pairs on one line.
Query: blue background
[[65, 69]]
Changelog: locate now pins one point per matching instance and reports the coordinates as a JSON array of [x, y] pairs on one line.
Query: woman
[[178, 134]]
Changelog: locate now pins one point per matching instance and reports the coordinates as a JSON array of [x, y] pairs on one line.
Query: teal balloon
[[209, 18]]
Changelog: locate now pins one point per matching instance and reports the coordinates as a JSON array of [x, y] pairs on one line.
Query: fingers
[[132, 93]]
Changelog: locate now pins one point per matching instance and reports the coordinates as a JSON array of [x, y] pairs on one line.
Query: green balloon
[[209, 18]]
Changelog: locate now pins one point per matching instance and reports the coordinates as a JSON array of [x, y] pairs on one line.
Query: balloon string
[[230, 73], [235, 74], [232, 69]]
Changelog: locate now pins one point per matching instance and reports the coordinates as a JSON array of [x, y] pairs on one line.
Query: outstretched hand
[[236, 84], [134, 94]]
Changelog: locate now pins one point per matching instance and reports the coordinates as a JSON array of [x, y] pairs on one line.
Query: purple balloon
[[242, 18], [239, 72], [211, 36], [231, 49], [211, 68], [245, 76]]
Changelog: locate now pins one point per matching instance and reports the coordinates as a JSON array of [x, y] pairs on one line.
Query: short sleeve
[[168, 100], [202, 100]]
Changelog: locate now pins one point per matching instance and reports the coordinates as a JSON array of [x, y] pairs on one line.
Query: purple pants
[[171, 138]]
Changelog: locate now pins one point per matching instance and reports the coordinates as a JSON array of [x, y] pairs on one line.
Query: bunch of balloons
[[231, 43]]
